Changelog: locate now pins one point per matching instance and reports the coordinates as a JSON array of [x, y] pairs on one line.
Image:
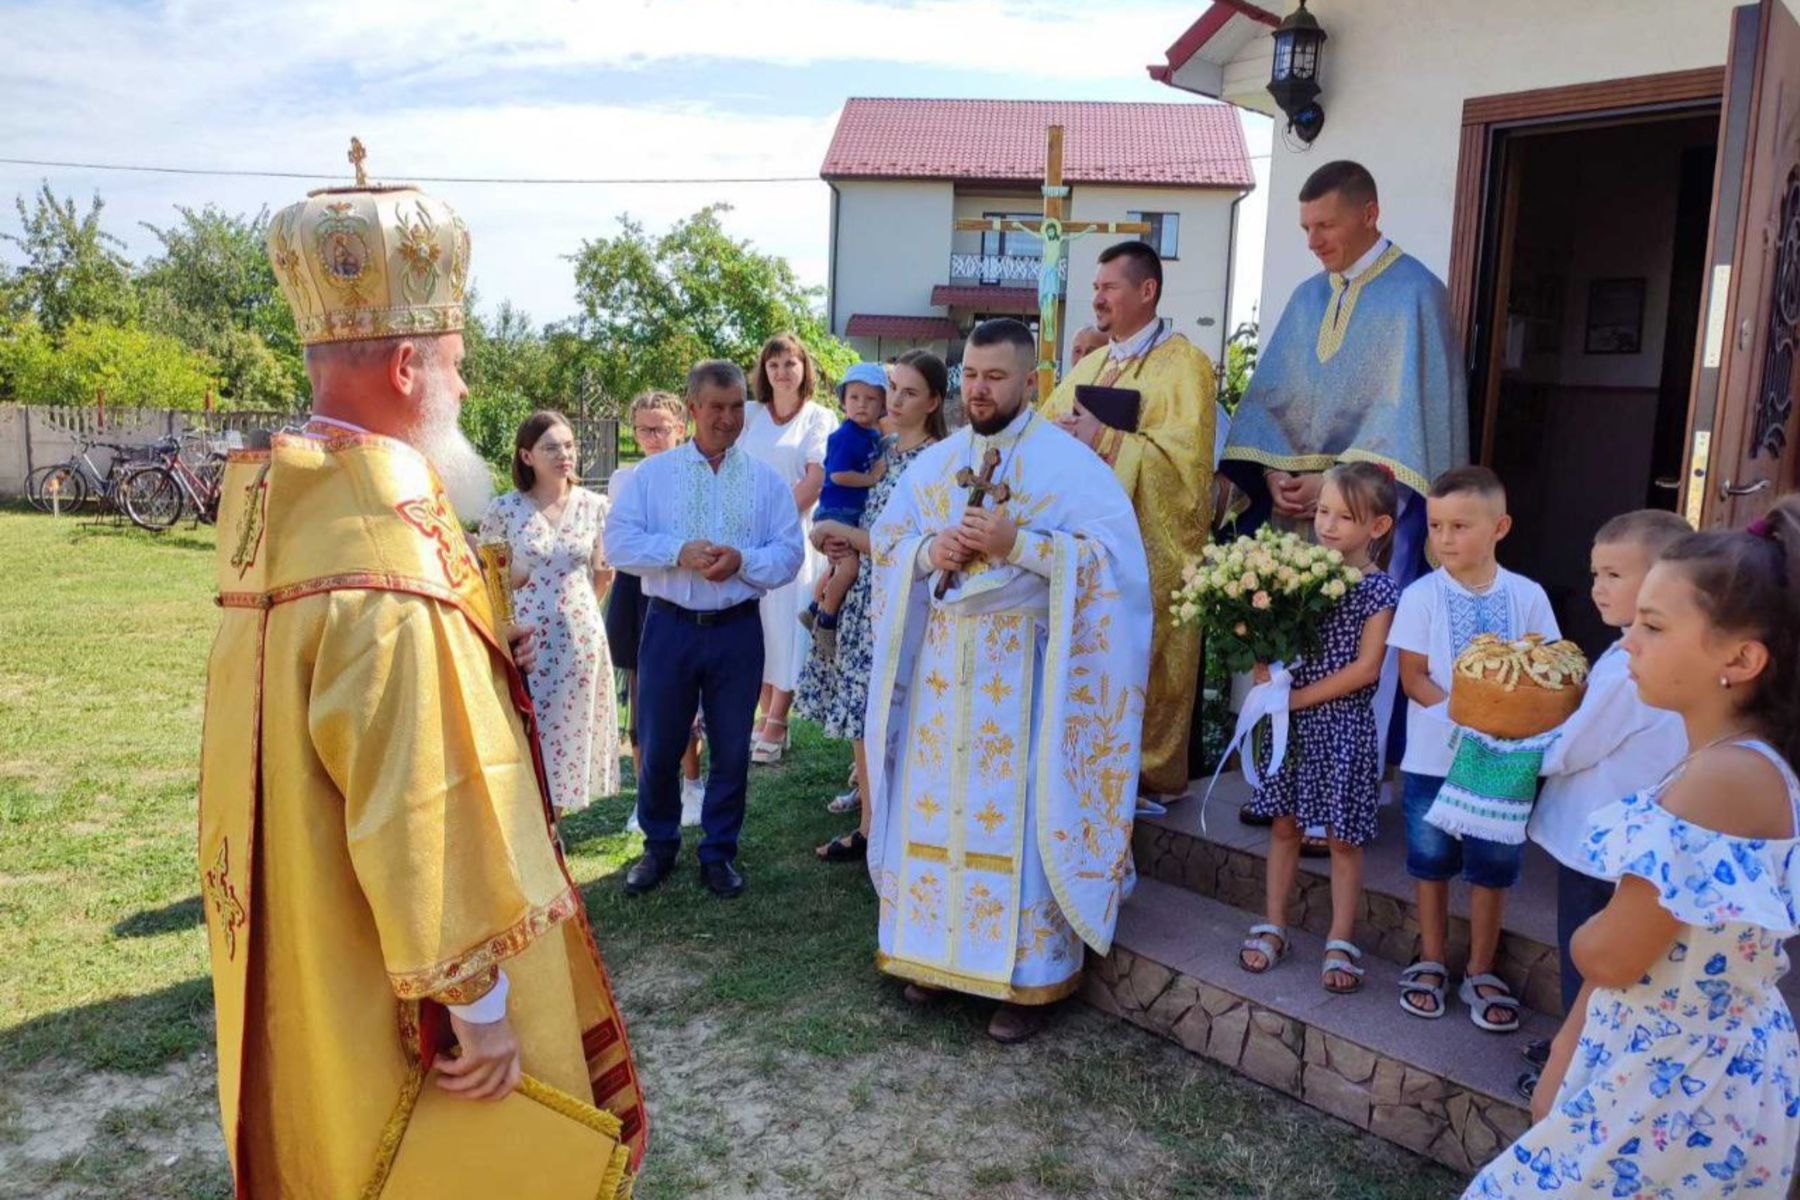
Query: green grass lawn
[[778, 1061]]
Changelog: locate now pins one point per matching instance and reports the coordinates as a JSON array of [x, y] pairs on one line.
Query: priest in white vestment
[[1004, 716]]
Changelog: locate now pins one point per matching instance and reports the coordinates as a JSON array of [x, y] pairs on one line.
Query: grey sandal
[[1349, 965], [1270, 941], [1479, 1004], [1410, 986]]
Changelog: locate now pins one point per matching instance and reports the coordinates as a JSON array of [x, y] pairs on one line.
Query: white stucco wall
[[1396, 73], [893, 247], [1193, 284]]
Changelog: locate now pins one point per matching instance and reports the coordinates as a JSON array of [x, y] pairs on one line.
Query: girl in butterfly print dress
[[1678, 1073], [554, 528]]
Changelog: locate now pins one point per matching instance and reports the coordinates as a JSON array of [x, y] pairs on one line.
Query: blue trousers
[[717, 671], [1578, 897]]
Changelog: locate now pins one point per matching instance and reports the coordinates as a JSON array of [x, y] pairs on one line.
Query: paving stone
[[1330, 1092], [1406, 1126], [1350, 1060], [1193, 1030], [1269, 1060], [1147, 981], [1182, 994], [1385, 1086], [1225, 1038]]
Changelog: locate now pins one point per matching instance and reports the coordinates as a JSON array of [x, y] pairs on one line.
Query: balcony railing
[[1001, 270]]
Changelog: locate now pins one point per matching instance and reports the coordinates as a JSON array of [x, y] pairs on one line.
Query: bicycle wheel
[[151, 497], [59, 488]]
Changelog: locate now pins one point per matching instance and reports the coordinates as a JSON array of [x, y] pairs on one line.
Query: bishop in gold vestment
[[375, 845], [1166, 468]]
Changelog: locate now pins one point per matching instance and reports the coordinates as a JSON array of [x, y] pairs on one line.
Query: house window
[[1012, 243], [1165, 232]]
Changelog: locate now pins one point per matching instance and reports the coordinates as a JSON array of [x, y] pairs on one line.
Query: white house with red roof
[[903, 172]]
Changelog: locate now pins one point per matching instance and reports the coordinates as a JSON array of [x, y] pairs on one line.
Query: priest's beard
[[459, 465], [989, 426]]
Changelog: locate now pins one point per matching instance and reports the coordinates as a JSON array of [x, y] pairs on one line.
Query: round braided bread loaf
[[1517, 689]]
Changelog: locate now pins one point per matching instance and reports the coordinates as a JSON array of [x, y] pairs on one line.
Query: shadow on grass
[[129, 1033], [171, 918]]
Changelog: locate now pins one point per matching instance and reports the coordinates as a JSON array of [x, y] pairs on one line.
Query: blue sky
[[535, 88]]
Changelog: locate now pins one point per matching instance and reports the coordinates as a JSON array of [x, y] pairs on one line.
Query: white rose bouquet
[[1259, 599]]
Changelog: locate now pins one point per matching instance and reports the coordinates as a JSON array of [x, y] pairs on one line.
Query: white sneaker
[[693, 797]]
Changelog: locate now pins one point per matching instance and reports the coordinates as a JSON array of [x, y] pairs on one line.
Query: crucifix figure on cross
[[1054, 230], [980, 486]]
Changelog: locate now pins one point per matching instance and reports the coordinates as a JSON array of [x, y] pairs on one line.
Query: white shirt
[[1613, 747], [1368, 258], [1141, 342], [676, 497], [1438, 617]]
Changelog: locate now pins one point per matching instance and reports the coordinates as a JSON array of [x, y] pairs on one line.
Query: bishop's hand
[[486, 1064], [523, 640], [990, 532]]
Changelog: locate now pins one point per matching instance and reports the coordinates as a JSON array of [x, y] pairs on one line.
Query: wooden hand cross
[[980, 487]]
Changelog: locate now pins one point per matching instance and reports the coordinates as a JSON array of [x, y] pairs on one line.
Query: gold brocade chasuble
[[374, 843], [1166, 467], [1003, 722]]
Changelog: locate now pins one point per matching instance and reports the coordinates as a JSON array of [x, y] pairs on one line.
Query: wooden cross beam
[[1054, 231]]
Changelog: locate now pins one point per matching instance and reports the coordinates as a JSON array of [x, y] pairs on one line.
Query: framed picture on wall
[[1615, 316]]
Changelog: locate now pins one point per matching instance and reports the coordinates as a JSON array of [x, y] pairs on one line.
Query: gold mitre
[[370, 261]]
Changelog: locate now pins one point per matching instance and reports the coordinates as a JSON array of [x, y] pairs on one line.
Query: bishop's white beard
[[460, 467]]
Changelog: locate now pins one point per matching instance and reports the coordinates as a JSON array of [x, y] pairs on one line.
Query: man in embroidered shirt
[[387, 910], [709, 530], [1165, 465], [1363, 364], [1011, 650]]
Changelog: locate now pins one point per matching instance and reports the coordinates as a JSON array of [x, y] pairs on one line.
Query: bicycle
[[67, 486], [154, 496]]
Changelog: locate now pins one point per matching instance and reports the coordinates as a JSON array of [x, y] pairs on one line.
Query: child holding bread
[[1438, 616]]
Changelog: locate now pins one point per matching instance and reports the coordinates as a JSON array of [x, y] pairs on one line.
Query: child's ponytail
[[1748, 582]]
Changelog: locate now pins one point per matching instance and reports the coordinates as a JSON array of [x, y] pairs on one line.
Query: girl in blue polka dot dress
[[1332, 773]]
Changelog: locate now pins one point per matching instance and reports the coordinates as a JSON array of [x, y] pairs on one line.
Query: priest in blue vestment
[[1363, 364]]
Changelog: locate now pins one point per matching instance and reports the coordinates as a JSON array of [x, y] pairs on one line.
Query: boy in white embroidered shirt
[[1615, 745], [1439, 615]]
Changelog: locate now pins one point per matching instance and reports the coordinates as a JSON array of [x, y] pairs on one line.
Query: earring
[[1725, 682]]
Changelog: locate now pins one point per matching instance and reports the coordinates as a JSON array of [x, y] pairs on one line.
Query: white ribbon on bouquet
[[1264, 700]]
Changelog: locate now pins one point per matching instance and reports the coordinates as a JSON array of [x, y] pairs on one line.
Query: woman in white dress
[[559, 574], [787, 430]]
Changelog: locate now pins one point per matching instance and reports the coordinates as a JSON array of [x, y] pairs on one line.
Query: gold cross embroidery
[[432, 517], [224, 899]]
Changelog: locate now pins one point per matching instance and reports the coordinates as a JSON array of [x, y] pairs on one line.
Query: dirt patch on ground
[[1083, 1110]]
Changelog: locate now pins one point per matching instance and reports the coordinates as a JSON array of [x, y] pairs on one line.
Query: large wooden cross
[[1054, 231]]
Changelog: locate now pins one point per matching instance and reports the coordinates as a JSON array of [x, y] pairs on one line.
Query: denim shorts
[[843, 516], [1434, 856]]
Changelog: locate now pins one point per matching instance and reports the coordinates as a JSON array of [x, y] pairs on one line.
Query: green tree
[[212, 287], [74, 270], [652, 307], [1240, 364], [133, 367]]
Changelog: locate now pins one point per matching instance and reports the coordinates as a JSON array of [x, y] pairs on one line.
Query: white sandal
[[1349, 964], [765, 753], [1270, 941], [1410, 986], [1479, 1004]]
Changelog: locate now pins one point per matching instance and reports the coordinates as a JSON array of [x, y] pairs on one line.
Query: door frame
[[1484, 195]]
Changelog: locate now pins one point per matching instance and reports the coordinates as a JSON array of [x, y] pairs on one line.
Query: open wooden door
[[1742, 434]]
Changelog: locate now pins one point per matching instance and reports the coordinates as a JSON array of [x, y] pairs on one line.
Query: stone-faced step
[[1228, 863], [1441, 1088]]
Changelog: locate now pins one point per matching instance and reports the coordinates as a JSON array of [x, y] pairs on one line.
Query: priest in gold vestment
[[409, 998], [1005, 700], [1165, 466]]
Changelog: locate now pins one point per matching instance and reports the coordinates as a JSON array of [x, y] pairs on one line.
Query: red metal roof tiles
[[1180, 145], [986, 299]]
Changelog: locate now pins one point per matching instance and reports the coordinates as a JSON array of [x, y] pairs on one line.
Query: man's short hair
[[1469, 481], [1004, 331], [362, 353], [1141, 262], [1655, 529], [714, 372], [1351, 180]]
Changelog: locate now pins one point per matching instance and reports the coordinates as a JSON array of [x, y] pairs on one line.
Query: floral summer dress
[[1332, 773], [572, 683], [1687, 1083], [834, 691]]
